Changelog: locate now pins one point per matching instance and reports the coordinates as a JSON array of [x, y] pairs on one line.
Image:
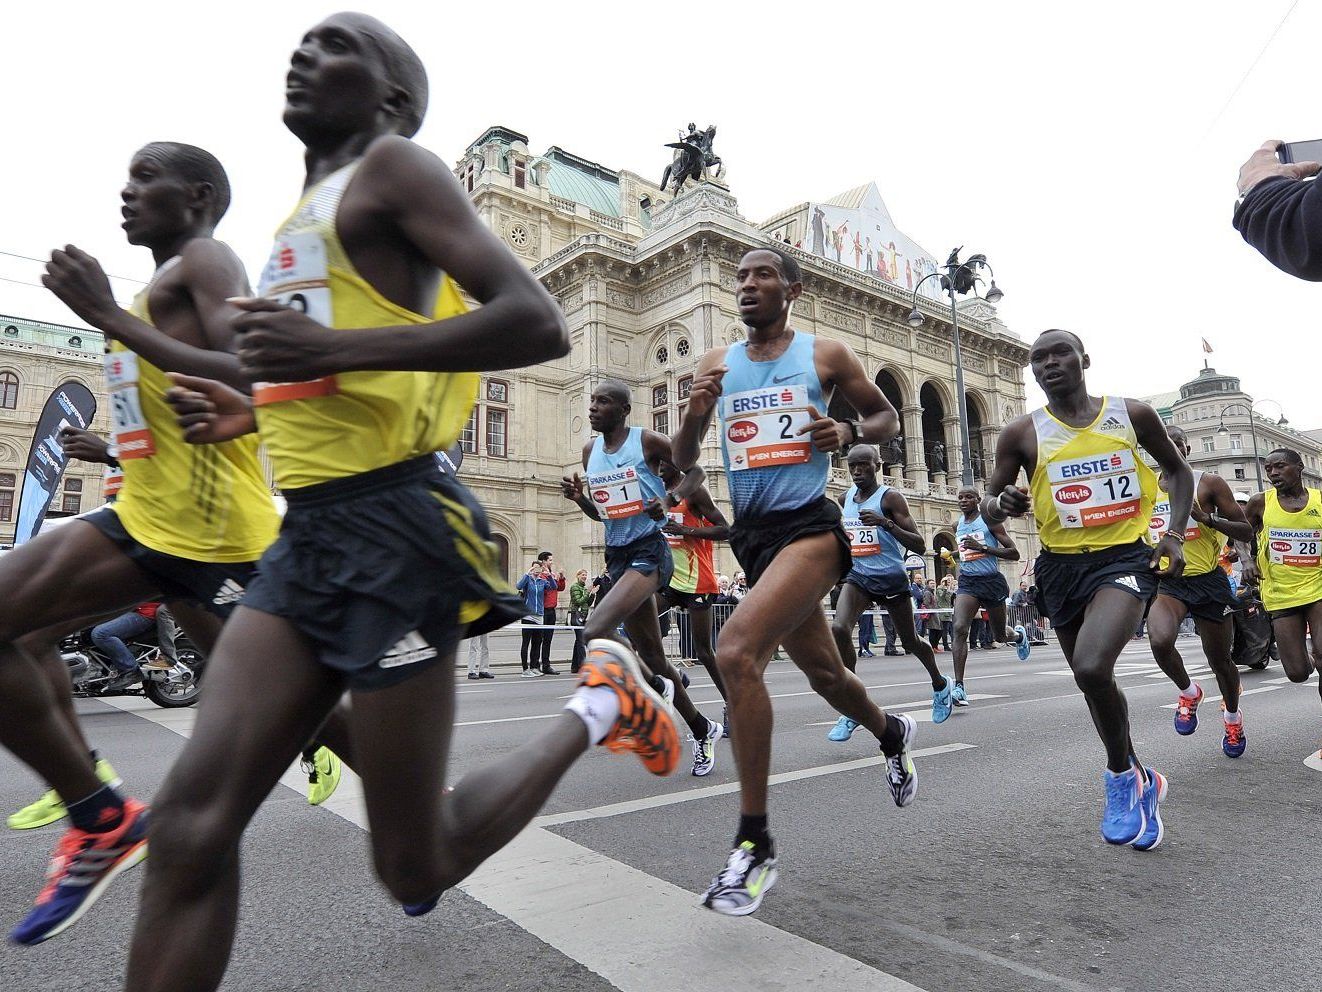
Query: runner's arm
[[1004, 497], [1151, 434], [656, 449], [1229, 518], [1008, 551], [879, 421], [572, 488], [899, 523], [704, 507]]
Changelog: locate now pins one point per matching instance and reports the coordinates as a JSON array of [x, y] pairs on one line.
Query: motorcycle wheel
[[173, 695]]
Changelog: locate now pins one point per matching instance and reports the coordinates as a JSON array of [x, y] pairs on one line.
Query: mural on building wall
[[865, 238]]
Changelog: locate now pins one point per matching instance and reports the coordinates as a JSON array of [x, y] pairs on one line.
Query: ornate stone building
[[647, 286], [35, 357]]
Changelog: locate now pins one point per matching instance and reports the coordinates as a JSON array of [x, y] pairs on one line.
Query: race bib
[[617, 493], [863, 539], [296, 275], [1095, 490], [1296, 548], [968, 554], [676, 517], [112, 481], [129, 425], [762, 427], [1161, 514]]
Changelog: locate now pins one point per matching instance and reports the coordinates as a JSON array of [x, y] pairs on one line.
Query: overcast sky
[[1091, 156]]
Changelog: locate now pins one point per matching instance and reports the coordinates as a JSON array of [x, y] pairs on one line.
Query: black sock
[[892, 738], [959, 683], [100, 812], [754, 828], [699, 726], [659, 684]]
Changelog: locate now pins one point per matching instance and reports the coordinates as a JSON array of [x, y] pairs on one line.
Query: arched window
[[8, 391]]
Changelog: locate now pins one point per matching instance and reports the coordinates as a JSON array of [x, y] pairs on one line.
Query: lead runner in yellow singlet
[[1287, 525], [362, 361], [189, 523], [1092, 496]]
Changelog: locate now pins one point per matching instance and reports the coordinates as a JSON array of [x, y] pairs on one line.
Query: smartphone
[[1300, 151]]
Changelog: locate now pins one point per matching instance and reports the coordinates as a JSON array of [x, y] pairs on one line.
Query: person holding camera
[[1280, 214], [532, 587]]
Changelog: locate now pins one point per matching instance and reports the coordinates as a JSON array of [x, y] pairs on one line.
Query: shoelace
[[1119, 792], [1234, 733], [65, 854], [736, 869]]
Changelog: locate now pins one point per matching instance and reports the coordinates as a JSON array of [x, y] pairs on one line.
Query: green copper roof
[[577, 179], [22, 330]]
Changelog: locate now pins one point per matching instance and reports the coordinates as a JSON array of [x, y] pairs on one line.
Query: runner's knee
[[1091, 677], [191, 840]]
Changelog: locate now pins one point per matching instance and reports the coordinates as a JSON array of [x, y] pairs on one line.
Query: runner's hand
[[706, 390], [1251, 576], [1263, 164], [571, 487], [827, 434], [655, 508], [280, 344], [1172, 550], [1198, 515], [872, 518], [676, 529], [209, 411], [84, 445], [78, 280], [1014, 500], [971, 543]]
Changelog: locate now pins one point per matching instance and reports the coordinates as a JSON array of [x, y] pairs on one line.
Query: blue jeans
[[111, 635]]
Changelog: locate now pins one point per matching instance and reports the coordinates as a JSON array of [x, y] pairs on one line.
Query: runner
[[880, 530], [694, 524], [1093, 496], [787, 536], [980, 584], [1204, 592], [623, 466], [188, 523], [1287, 526], [382, 563]]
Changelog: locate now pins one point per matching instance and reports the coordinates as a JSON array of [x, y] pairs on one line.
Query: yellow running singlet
[[1091, 490], [204, 502], [354, 422], [1290, 552], [1202, 545]]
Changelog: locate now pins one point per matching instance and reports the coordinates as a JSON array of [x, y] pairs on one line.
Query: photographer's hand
[[1263, 164]]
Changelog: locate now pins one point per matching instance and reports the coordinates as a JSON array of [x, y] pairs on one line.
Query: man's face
[[1281, 472], [606, 411], [967, 499], [1057, 363], [156, 200], [863, 466], [760, 289], [337, 80], [1179, 439]]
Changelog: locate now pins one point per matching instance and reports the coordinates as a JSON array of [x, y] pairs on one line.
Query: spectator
[[555, 585], [1280, 214], [945, 598], [111, 635], [917, 590], [888, 628], [533, 587], [1021, 599], [580, 600], [600, 586], [930, 617], [479, 658], [739, 589], [867, 634]]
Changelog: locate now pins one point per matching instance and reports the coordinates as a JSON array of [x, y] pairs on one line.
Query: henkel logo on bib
[[742, 431], [1070, 495], [601, 496], [1281, 545]]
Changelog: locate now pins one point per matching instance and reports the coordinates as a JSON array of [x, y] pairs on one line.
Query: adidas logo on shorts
[[409, 649], [1128, 581], [228, 593]]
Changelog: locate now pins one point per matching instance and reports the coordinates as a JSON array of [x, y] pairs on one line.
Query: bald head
[[403, 69], [616, 390]]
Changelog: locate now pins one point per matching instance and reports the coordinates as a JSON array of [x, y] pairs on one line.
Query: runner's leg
[[1217, 637], [966, 608], [700, 622], [1292, 638], [901, 610], [1164, 619], [266, 694], [848, 608], [644, 630], [996, 619], [1092, 647]]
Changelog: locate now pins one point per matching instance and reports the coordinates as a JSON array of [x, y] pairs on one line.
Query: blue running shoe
[[942, 702], [843, 730], [1154, 793], [81, 868], [1021, 647], [1122, 819], [958, 695], [1233, 743], [421, 908], [1186, 712]]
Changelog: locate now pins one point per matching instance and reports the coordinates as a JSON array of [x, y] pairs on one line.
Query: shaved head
[[401, 63]]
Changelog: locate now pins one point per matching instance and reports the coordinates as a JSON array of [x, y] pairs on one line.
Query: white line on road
[[889, 707], [1314, 761], [707, 792], [1213, 699]]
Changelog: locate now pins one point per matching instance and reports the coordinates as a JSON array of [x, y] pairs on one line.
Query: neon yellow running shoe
[[324, 770], [50, 808]]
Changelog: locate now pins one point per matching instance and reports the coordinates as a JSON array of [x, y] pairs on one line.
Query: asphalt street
[[995, 879]]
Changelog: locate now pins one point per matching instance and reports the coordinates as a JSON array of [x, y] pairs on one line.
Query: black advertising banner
[[71, 405]]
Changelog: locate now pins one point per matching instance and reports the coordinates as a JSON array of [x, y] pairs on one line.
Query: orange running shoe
[[645, 725]]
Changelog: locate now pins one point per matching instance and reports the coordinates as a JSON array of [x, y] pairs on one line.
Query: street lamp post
[[959, 278], [1253, 435]]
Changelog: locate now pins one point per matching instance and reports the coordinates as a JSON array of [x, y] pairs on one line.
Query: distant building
[[1215, 414]]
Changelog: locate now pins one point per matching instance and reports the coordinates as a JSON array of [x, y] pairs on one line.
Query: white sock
[[1189, 693], [598, 706], [1233, 717]]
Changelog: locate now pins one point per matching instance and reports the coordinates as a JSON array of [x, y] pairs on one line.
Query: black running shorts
[[217, 587], [688, 600], [1207, 596], [880, 588], [757, 540], [990, 590], [647, 554], [1066, 584], [384, 572]]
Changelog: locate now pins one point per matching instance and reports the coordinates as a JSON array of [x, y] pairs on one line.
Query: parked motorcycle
[[93, 673]]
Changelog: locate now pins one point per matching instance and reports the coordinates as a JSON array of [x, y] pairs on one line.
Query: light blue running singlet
[[976, 562], [619, 484], [763, 406], [875, 552]]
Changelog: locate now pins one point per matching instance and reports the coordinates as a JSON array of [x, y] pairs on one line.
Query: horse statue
[[693, 159]]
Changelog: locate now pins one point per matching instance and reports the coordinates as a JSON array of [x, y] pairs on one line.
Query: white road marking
[[918, 704], [728, 788], [1314, 761], [1213, 699], [603, 913]]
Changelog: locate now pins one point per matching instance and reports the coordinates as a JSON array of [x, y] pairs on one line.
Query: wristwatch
[[855, 434]]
